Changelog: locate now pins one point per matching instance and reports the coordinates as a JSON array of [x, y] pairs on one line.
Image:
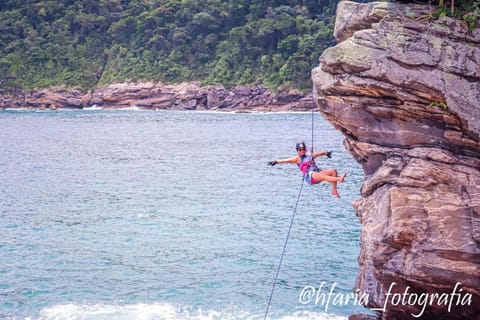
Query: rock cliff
[[145, 95], [405, 91]]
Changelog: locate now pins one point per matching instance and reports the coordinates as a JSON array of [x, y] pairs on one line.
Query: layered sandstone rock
[[145, 95], [43, 99], [405, 91]]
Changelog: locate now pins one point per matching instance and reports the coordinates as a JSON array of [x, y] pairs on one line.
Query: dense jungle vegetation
[[85, 43], [82, 43]]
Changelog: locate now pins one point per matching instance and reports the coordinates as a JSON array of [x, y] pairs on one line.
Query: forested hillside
[[84, 43]]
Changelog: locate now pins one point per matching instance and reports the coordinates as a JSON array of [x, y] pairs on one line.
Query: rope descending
[[311, 163], [283, 252], [312, 160]]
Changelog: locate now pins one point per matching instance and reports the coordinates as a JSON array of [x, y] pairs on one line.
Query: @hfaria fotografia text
[[326, 295]]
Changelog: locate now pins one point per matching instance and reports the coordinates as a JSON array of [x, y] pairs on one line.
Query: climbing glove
[[272, 163], [329, 154]]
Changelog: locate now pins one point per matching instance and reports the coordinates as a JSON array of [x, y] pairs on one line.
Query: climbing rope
[[312, 162], [283, 252]]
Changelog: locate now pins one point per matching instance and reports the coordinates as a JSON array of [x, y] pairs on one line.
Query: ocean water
[[171, 215]]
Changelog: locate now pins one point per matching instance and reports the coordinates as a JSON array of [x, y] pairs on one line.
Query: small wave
[[94, 107], [37, 110], [134, 108], [162, 311], [25, 110], [122, 108]]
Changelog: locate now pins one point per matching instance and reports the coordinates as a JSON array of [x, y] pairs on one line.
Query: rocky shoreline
[[158, 96]]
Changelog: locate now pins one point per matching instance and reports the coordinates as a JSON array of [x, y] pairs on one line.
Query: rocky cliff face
[[405, 91]]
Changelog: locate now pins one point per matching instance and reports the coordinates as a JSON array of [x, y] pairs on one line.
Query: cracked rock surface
[[405, 91]]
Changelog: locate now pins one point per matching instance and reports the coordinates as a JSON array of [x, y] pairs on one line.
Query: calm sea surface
[[170, 215]]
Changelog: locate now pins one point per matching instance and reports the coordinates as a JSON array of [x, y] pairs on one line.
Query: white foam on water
[[162, 311], [94, 107], [133, 108]]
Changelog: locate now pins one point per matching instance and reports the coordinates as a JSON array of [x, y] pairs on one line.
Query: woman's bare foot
[[335, 193]]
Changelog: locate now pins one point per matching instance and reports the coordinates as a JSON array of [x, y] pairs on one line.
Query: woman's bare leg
[[329, 175]]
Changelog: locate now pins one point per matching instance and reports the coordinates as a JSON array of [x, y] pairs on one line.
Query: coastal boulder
[[53, 98]]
